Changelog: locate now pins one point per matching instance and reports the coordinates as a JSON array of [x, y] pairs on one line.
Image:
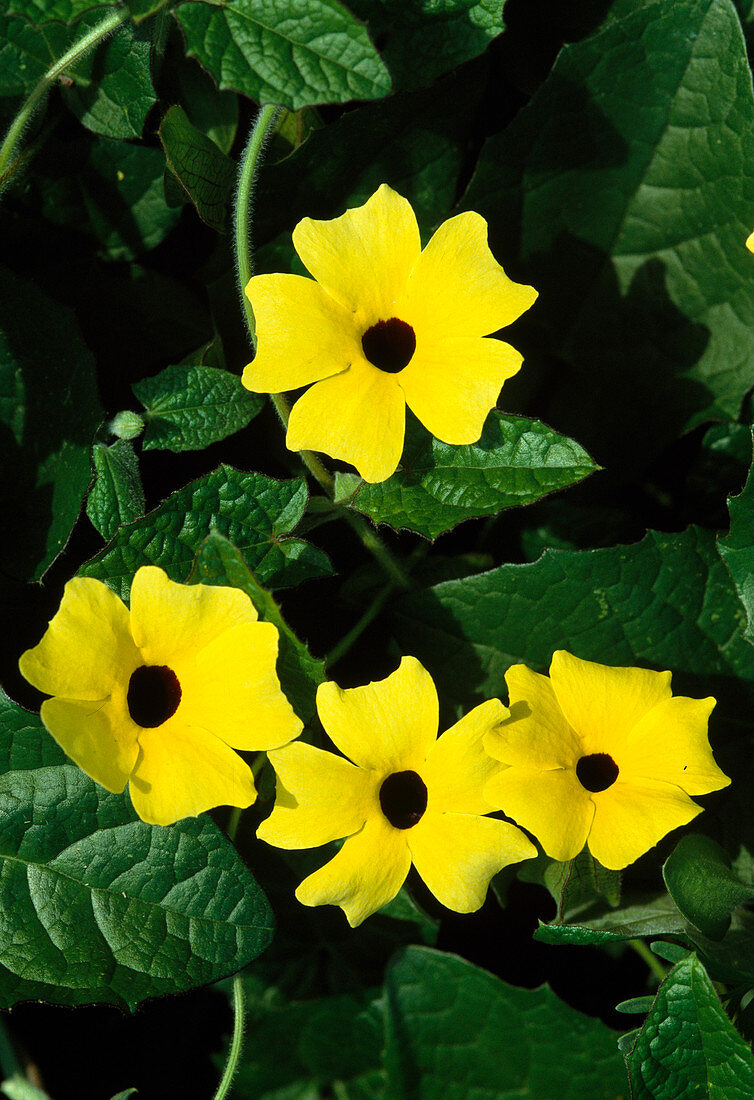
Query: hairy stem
[[8, 158], [236, 1044], [265, 123]]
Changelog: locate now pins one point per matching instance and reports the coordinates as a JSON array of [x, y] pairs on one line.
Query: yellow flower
[[750, 242], [408, 797], [385, 325], [161, 695], [599, 754]]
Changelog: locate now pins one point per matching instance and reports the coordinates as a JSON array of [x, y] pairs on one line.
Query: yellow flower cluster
[[159, 696]]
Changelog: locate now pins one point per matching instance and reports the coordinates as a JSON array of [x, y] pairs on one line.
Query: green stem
[[237, 1041], [236, 812], [24, 116], [309, 459], [233, 822], [263, 127], [376, 547], [341, 648], [650, 959]]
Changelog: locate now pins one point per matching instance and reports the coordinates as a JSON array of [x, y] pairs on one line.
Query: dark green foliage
[[702, 1055], [112, 909], [190, 406], [516, 462], [253, 511]]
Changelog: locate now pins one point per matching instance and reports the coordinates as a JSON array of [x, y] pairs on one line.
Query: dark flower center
[[389, 345], [403, 798], [153, 695], [596, 772]]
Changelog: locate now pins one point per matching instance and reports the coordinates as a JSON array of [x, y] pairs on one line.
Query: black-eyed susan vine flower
[[159, 696], [399, 795], [385, 325], [601, 756]]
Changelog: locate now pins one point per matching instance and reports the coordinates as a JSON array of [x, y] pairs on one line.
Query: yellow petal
[[452, 385], [536, 735], [750, 242], [603, 704], [170, 621], [552, 805], [364, 257], [182, 771], [632, 817], [457, 286], [458, 766], [320, 797], [386, 726], [457, 855], [302, 334], [366, 874], [358, 416], [231, 688], [99, 737], [87, 651], [670, 744]]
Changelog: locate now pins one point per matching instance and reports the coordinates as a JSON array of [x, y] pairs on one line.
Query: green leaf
[[219, 562], [737, 548], [658, 917], [213, 112], [206, 175], [688, 1046], [255, 512], [117, 497], [190, 406], [719, 468], [574, 935], [701, 882], [292, 52], [314, 1043], [159, 320], [39, 12], [24, 742], [113, 91], [516, 462], [49, 412], [666, 601], [27, 52], [423, 11], [112, 190], [95, 905], [455, 1031], [630, 222], [576, 885], [635, 1004], [141, 9], [417, 55]]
